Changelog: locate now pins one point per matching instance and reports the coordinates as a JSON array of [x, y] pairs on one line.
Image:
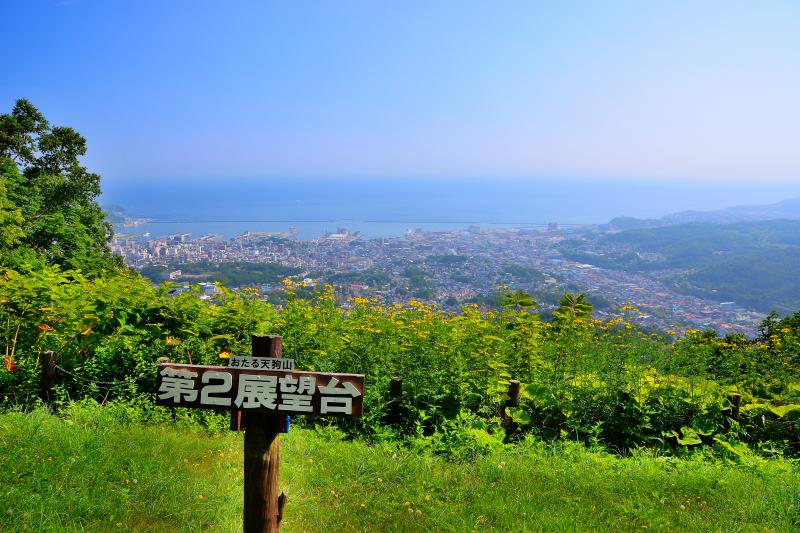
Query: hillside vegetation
[[603, 383], [231, 274], [751, 263]]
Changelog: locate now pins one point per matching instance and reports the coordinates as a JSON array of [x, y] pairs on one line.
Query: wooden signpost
[[264, 391]]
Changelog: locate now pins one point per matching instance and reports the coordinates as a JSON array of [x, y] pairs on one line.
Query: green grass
[[89, 472]]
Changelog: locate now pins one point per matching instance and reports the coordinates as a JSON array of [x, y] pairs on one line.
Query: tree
[[572, 307], [10, 221], [48, 200], [782, 337], [516, 300]]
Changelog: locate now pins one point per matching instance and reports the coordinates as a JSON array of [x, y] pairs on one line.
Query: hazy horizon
[[388, 207]]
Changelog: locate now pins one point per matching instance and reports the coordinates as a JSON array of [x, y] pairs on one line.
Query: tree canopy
[[48, 200], [572, 307]]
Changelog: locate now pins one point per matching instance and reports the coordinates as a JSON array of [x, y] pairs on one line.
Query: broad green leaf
[[519, 415], [689, 437], [783, 410], [729, 447], [755, 405]]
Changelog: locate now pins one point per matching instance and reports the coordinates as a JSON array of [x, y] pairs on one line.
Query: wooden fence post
[[395, 414], [513, 393], [512, 401], [736, 399], [49, 377], [172, 412], [263, 507]]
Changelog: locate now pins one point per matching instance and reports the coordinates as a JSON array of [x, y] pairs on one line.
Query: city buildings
[[448, 268]]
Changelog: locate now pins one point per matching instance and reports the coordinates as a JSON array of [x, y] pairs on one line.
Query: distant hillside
[[625, 223], [232, 274], [786, 209], [752, 263], [116, 214]]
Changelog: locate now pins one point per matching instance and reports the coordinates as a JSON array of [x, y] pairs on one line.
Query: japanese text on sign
[[264, 391], [261, 363]]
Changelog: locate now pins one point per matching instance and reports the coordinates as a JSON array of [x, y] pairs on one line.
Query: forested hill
[[752, 263]]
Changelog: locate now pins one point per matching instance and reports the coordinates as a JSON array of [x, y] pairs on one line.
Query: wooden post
[[47, 394], [396, 387], [512, 401], [395, 414], [736, 399], [263, 507], [236, 420], [172, 412], [513, 393]]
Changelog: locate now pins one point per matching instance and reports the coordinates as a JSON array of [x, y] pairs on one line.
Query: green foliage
[[237, 274], [11, 220], [48, 207], [782, 337], [516, 299], [523, 274], [463, 438], [373, 277], [762, 280], [605, 384], [751, 263], [113, 329], [116, 214], [417, 281], [571, 308]]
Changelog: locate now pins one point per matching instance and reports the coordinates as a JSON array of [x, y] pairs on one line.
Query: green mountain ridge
[[751, 263]]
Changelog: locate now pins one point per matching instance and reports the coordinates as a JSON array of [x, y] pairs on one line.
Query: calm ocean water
[[383, 207]]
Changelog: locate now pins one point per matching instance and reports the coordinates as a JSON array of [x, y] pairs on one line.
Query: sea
[[384, 207]]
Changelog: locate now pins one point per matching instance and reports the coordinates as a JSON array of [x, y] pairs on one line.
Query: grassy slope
[[86, 474]]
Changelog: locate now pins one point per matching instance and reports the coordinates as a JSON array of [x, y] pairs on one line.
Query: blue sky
[[596, 90]]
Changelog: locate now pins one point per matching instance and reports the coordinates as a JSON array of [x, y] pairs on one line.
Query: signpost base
[[262, 449], [262, 454]]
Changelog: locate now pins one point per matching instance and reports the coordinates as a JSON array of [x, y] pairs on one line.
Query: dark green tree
[[48, 200], [782, 337], [572, 307], [516, 300], [10, 221]]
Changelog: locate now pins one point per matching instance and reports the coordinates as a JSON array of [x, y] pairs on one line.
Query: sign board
[[261, 363], [261, 391]]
